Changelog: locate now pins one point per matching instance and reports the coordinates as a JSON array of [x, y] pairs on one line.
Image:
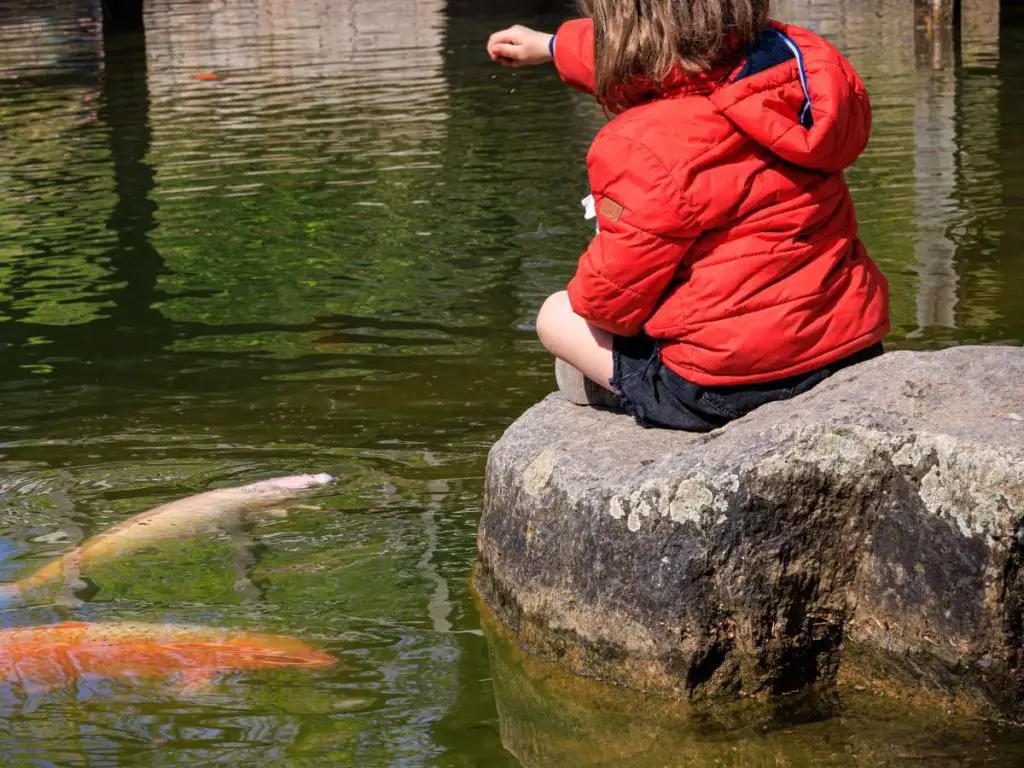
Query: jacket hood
[[798, 96]]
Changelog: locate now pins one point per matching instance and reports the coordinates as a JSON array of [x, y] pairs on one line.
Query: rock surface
[[871, 529]]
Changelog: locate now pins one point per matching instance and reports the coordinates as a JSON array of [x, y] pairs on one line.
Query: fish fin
[[195, 681], [11, 595], [37, 677], [43, 687], [283, 511]]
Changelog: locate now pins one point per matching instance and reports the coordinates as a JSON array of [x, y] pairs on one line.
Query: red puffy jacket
[[726, 229]]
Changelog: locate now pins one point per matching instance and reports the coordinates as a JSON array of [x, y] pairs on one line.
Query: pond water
[[325, 253]]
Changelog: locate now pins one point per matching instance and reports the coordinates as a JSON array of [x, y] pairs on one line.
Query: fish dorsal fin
[[197, 680]]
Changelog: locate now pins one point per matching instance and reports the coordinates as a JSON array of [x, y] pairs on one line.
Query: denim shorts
[[656, 396]]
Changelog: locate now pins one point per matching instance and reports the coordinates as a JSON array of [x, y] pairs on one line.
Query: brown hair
[[645, 39]]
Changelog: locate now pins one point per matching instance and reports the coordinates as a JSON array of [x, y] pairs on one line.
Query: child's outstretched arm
[[572, 50]]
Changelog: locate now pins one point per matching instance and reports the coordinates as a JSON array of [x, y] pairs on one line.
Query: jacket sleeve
[[645, 230], [574, 54]]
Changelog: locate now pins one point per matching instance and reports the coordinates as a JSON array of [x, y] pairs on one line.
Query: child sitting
[[726, 272]]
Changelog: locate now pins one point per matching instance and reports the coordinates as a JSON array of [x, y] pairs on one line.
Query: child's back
[[728, 241]]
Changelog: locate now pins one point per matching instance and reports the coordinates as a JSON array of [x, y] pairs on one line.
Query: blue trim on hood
[[774, 47]]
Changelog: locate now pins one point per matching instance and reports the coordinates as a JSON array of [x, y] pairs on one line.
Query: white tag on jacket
[[590, 211]]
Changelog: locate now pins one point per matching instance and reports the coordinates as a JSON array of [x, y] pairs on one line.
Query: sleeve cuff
[[574, 57]]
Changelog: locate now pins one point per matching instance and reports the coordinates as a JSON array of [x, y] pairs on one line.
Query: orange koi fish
[[48, 658]]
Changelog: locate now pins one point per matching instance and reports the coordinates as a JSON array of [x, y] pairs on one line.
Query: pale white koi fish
[[174, 520]]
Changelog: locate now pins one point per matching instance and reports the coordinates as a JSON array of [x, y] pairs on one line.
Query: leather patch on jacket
[[610, 209]]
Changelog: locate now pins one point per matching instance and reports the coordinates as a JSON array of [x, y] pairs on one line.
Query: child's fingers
[[495, 39], [498, 52], [507, 52], [510, 35], [493, 44], [506, 39]]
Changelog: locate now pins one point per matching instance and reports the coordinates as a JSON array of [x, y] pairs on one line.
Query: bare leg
[[569, 337]]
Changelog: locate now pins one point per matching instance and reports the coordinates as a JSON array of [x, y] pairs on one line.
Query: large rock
[[870, 530]]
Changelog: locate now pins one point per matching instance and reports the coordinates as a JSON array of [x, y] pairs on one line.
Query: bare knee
[[571, 338], [552, 318]]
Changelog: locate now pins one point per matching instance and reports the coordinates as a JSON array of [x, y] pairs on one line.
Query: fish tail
[[48, 573]]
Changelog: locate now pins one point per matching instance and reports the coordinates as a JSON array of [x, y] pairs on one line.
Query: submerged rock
[[549, 717], [870, 530]]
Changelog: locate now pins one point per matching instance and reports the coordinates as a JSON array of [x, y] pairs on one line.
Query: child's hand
[[519, 45]]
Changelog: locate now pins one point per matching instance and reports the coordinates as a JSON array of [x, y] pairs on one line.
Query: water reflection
[[935, 152], [322, 118], [980, 31], [354, 84], [550, 717], [58, 39]]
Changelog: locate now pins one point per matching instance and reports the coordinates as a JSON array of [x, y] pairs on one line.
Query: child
[[726, 272]]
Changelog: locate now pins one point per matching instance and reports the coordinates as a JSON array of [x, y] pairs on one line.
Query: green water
[[329, 258]]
